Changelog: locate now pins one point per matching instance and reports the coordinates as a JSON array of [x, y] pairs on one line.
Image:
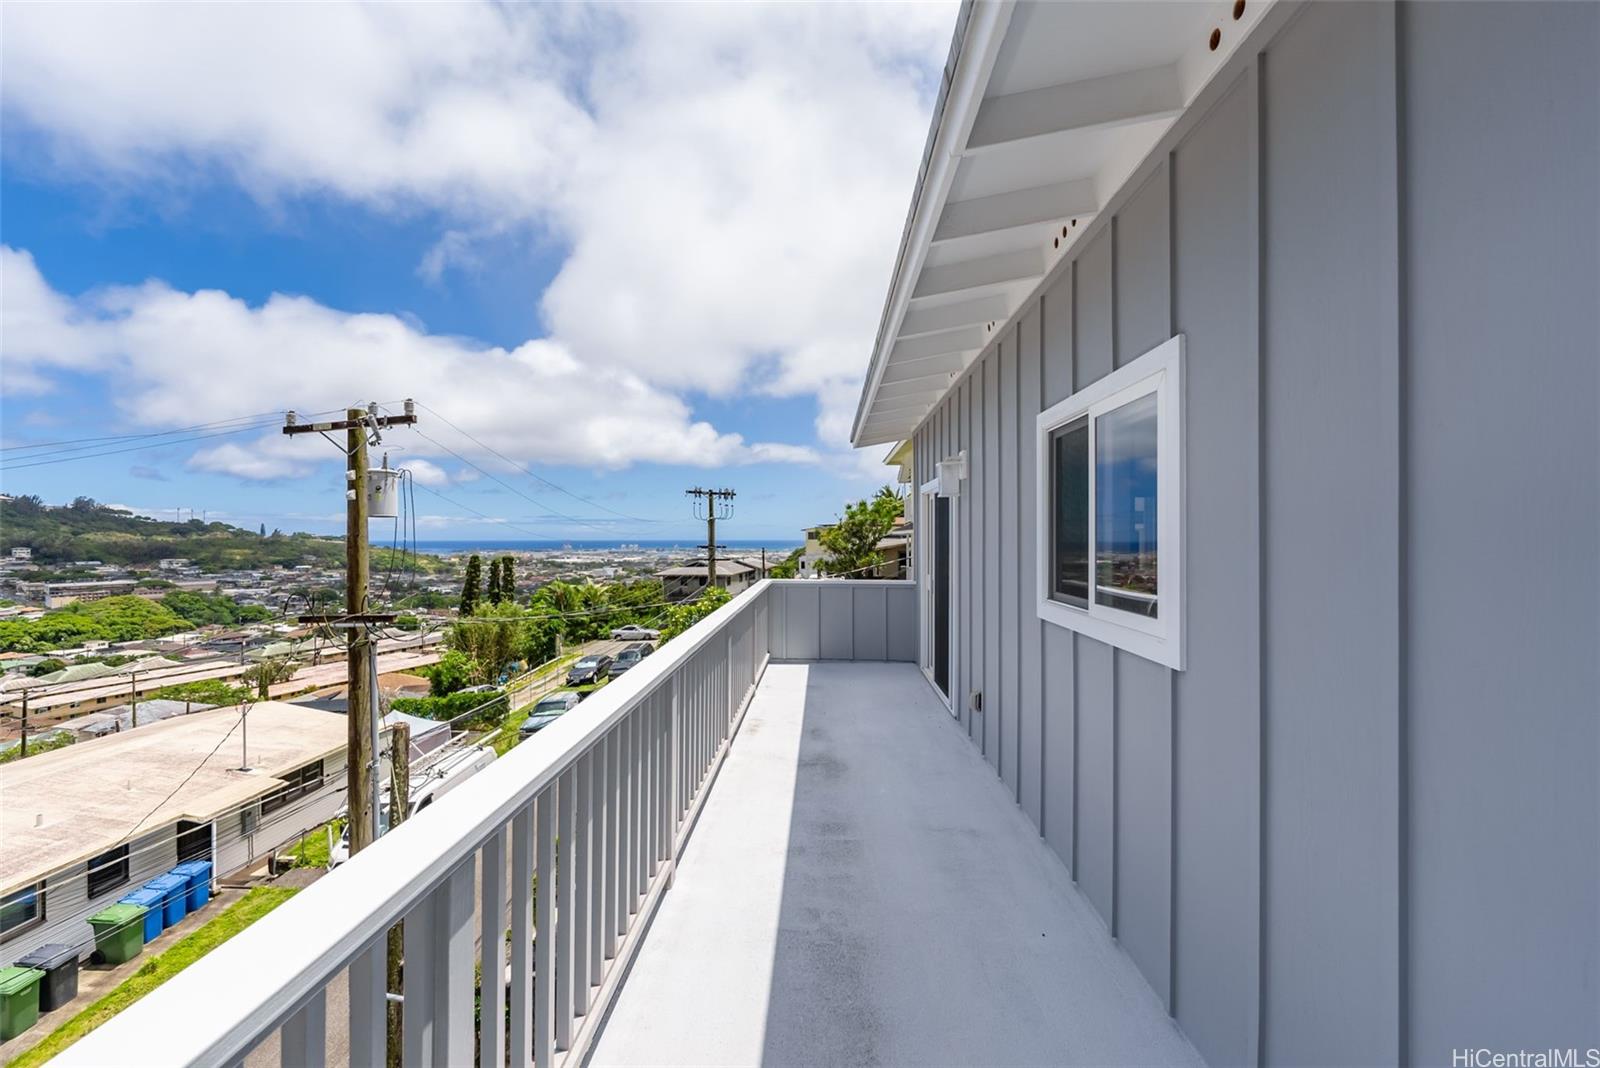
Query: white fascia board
[[986, 30]]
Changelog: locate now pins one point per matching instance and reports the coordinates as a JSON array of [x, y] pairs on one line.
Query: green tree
[[48, 666], [489, 637], [268, 673], [852, 543], [263, 531], [204, 692], [454, 671], [491, 593], [788, 567], [470, 588], [508, 578], [680, 617], [405, 621]]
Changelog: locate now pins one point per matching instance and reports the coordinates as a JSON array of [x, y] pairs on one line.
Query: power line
[[136, 448], [532, 475], [150, 434], [531, 500]]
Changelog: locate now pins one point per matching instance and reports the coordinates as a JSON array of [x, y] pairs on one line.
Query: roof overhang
[[1045, 111]]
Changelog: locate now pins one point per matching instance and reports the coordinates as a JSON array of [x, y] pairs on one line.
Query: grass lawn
[[182, 953], [312, 850]]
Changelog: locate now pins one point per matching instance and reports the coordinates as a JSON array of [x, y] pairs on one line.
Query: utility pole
[[133, 695], [361, 684], [711, 505], [24, 724]]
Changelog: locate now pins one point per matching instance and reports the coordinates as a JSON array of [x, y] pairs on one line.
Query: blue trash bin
[[174, 896], [155, 918], [198, 872]]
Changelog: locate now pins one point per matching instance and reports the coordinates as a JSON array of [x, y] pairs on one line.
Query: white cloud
[[175, 355], [729, 181]]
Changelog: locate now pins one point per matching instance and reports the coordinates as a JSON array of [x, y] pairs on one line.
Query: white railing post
[[544, 990], [453, 989], [520, 1034], [565, 841], [610, 919], [303, 1041], [369, 1013], [422, 972], [598, 847], [582, 877], [492, 956]]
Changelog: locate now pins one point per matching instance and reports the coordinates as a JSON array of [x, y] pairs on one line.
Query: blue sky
[[632, 249]]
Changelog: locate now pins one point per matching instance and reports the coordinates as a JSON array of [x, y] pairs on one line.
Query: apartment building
[[1236, 343]]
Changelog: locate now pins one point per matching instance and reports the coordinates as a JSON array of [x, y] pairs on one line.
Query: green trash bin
[[119, 932], [19, 1000]]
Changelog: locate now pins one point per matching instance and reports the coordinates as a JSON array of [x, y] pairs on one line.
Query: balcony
[[773, 846]]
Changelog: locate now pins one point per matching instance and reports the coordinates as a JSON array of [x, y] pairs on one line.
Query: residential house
[[685, 581], [84, 825]]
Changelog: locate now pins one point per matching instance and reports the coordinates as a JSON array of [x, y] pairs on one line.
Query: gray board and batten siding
[[1363, 825]]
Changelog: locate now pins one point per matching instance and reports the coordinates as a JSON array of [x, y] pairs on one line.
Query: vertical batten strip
[[583, 879]]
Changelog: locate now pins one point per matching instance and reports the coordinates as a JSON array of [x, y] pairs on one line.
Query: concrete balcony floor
[[861, 889]]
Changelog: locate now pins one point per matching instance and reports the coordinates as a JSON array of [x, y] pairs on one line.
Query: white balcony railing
[[574, 836]]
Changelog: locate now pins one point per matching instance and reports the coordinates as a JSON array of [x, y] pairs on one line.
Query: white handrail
[[275, 971]]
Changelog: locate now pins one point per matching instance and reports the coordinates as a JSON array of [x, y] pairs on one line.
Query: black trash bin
[[60, 966]]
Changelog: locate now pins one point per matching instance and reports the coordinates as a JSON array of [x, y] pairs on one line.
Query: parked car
[[591, 668], [432, 777], [630, 657], [634, 633], [547, 711]]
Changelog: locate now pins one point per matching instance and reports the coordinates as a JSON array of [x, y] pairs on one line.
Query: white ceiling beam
[[934, 383], [1111, 100], [968, 337], [906, 370], [1025, 207], [979, 310], [1025, 265]]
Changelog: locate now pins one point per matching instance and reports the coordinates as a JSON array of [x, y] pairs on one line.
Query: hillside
[[88, 530]]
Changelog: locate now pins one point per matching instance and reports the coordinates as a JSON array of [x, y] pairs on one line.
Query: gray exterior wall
[[1363, 825], [842, 619]]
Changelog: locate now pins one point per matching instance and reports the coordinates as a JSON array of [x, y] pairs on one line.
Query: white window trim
[[1161, 639]]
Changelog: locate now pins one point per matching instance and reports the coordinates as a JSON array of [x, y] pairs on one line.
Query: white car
[[441, 773], [634, 633]]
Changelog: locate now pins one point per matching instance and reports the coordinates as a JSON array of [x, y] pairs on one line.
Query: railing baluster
[[636, 806], [611, 920], [492, 956], [369, 1014], [630, 831], [520, 1034], [544, 992], [582, 876], [422, 973], [452, 932], [597, 846], [303, 1042], [566, 836]]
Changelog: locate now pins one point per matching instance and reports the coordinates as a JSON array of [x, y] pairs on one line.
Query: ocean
[[732, 545]]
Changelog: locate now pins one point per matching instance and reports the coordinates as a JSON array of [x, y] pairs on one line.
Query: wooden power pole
[[711, 505], [361, 753]]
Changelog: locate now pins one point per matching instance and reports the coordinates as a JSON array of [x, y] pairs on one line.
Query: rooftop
[[67, 805]]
